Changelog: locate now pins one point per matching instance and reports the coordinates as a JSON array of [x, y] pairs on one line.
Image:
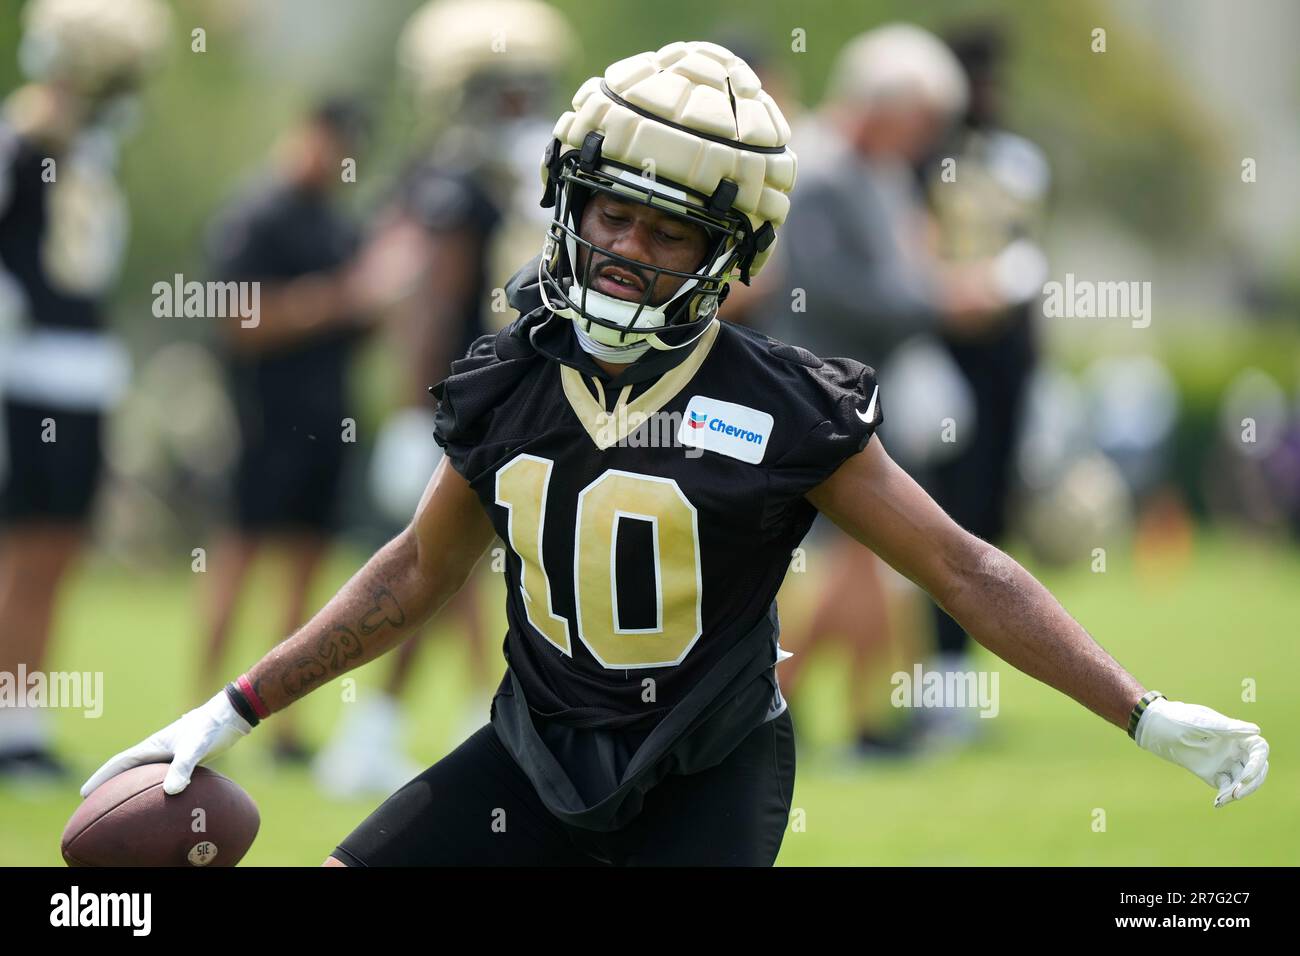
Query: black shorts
[[289, 482], [49, 479], [476, 807]]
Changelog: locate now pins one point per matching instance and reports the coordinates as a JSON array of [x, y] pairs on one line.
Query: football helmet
[[98, 49], [458, 52], [689, 130]]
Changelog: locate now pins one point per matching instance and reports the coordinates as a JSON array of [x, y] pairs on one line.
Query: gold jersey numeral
[[521, 490], [522, 487]]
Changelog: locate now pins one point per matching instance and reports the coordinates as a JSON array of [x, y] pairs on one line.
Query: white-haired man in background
[[862, 278]]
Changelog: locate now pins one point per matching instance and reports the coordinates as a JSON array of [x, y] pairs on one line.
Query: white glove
[[1228, 754], [194, 738]]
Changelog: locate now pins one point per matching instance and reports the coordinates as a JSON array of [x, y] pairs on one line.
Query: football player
[[639, 720], [63, 225], [480, 73]]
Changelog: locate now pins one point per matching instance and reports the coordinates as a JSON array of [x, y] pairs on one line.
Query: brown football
[[130, 821]]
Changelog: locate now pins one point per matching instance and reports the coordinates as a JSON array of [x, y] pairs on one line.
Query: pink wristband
[[246, 688]]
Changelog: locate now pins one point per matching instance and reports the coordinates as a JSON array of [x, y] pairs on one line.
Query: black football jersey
[[443, 199], [63, 227], [649, 526]]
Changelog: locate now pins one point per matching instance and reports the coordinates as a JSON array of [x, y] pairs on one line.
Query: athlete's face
[[643, 233]]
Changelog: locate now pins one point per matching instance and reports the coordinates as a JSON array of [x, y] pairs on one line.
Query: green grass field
[[1027, 794]]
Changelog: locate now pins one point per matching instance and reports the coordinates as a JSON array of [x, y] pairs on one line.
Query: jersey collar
[[553, 336]]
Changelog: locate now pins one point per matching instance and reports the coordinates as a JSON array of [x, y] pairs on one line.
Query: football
[[131, 821]]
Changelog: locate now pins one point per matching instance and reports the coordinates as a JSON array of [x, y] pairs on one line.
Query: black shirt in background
[[273, 234]]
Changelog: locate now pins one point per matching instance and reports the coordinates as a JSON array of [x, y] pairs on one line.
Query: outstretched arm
[[1004, 608], [386, 601], [989, 594]]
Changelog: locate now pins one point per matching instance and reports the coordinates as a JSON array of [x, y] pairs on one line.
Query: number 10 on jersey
[[521, 488]]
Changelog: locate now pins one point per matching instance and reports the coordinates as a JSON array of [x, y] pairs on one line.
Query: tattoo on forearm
[[385, 611], [339, 646], [306, 674]]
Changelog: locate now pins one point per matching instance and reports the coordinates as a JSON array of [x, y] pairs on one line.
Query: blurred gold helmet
[[687, 129], [97, 48], [448, 45]]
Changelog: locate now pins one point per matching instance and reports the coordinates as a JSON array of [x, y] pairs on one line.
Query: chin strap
[[618, 354], [627, 354], [665, 347]]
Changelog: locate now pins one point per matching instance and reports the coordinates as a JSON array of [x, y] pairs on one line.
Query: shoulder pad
[[793, 353]]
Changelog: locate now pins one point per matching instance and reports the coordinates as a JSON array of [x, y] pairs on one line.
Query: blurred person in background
[[868, 266], [988, 206], [482, 75], [63, 229], [1133, 410], [862, 276], [288, 372]]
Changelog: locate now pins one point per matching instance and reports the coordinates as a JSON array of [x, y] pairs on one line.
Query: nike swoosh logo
[[871, 407]]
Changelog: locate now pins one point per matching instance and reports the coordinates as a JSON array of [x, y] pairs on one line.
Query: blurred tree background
[[1141, 159], [210, 117]]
